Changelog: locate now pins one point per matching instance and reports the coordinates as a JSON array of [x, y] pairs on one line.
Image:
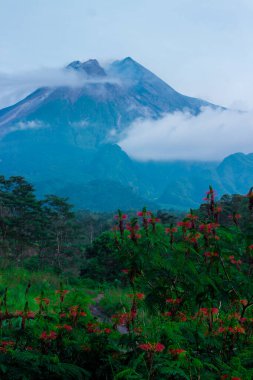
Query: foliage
[[178, 302]]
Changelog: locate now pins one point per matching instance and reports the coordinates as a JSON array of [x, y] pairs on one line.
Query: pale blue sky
[[200, 47]]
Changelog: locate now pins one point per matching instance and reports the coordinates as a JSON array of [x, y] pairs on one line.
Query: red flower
[[233, 261], [62, 293], [41, 300], [65, 327], [221, 330], [193, 237], [30, 314], [152, 347], [211, 254], [143, 213], [192, 217], [185, 225], [121, 217], [236, 330], [47, 337], [7, 343], [235, 216], [107, 331], [171, 230], [176, 351], [207, 312], [174, 300], [167, 314], [244, 302]]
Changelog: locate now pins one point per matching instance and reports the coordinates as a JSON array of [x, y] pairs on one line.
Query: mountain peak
[[129, 60], [130, 69], [91, 68]]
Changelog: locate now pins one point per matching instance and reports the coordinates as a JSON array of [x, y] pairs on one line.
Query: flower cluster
[[152, 347]]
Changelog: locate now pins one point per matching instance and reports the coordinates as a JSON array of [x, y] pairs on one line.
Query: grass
[[16, 281]]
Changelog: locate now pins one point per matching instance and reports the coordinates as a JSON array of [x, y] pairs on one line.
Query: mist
[[15, 87], [209, 136]]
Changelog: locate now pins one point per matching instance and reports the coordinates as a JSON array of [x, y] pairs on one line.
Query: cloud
[[25, 125], [15, 87], [209, 136]]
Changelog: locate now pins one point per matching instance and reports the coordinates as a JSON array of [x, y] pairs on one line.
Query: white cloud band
[[209, 136]]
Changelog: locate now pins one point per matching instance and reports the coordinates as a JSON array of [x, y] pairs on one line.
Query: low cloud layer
[[209, 136], [15, 87]]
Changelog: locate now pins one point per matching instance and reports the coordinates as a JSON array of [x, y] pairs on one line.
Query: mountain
[[64, 140], [108, 101]]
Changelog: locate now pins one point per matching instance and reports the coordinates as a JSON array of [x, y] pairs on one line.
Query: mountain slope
[[64, 140]]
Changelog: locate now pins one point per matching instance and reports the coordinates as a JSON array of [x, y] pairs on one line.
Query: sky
[[201, 48]]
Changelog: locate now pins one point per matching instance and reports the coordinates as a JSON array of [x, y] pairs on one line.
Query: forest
[[137, 295]]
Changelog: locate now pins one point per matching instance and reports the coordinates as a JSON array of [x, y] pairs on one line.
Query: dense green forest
[[136, 295]]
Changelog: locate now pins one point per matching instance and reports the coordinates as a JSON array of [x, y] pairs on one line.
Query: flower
[[244, 302], [236, 330], [192, 217], [167, 314], [42, 300], [176, 351], [6, 343], [47, 337], [193, 237], [208, 228], [185, 225], [152, 347], [62, 293], [93, 328], [233, 261], [174, 300], [143, 213], [221, 330], [171, 230], [211, 254], [65, 327], [205, 311], [235, 216], [121, 217]]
